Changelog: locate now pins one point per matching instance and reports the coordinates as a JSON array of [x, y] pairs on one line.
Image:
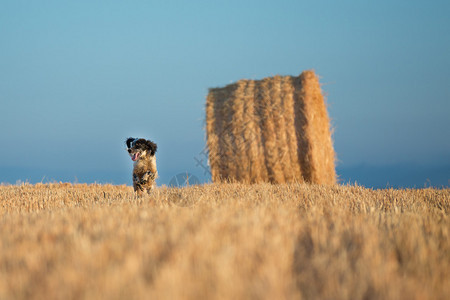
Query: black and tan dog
[[142, 152]]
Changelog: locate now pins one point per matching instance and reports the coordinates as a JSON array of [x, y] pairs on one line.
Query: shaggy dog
[[142, 152]]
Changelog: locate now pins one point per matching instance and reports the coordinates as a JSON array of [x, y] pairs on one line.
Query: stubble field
[[224, 241]]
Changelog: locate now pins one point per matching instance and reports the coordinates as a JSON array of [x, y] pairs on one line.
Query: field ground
[[224, 241]]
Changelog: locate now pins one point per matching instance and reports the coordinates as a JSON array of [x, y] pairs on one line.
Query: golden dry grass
[[271, 130], [224, 241]]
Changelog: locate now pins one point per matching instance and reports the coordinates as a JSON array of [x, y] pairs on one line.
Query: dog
[[142, 152]]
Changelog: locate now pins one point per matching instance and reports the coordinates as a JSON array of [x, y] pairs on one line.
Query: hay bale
[[275, 129]]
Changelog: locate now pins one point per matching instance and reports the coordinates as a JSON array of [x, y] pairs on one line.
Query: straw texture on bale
[[271, 130]]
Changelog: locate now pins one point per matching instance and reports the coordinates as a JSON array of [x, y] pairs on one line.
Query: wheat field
[[224, 241]]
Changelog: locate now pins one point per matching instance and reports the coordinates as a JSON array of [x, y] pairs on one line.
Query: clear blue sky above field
[[78, 77]]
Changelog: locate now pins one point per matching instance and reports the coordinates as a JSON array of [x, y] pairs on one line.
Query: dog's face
[[138, 148]]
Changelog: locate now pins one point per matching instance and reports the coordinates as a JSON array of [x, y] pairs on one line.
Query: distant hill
[[397, 176]]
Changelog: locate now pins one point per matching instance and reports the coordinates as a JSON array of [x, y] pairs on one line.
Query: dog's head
[[138, 148]]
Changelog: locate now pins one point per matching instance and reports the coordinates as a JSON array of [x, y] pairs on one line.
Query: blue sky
[[78, 77]]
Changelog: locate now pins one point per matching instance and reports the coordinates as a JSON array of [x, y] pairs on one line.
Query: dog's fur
[[142, 152]]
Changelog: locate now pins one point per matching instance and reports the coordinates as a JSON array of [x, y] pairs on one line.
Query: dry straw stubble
[[226, 241]]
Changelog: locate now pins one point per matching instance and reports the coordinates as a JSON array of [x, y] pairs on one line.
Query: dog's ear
[[129, 141], [151, 147]]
